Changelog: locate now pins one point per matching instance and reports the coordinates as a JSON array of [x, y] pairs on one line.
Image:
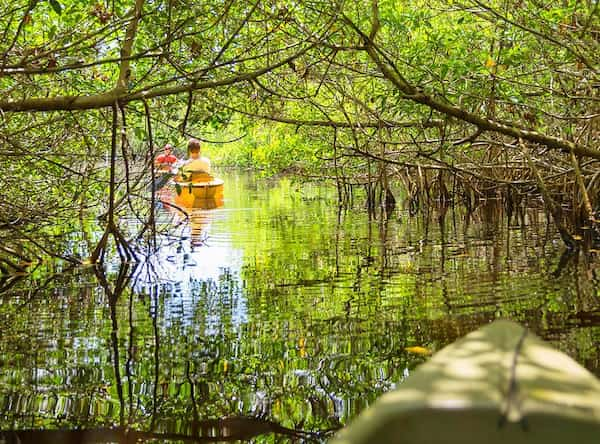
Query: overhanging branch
[[417, 95], [107, 99], [383, 123]]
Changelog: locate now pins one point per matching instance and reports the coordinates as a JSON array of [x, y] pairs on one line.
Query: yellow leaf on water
[[417, 350]]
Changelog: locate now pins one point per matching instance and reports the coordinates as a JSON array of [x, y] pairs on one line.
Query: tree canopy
[[501, 96]]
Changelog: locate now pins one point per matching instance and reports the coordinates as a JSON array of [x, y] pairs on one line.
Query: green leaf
[[443, 71], [140, 133], [383, 101], [56, 6]]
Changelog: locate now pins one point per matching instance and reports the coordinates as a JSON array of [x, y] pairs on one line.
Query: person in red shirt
[[164, 162]]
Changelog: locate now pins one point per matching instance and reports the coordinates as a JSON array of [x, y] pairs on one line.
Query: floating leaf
[[418, 350]]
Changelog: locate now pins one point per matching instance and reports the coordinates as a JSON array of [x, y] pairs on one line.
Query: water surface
[[274, 318]]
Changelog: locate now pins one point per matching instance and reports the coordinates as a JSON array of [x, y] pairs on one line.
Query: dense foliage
[[499, 99]]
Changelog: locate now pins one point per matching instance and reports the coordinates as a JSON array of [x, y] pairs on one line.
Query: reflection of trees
[[196, 375], [466, 265], [326, 330], [8, 281], [113, 295]]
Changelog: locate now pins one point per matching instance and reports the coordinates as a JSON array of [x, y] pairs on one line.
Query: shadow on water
[[275, 315], [208, 431]]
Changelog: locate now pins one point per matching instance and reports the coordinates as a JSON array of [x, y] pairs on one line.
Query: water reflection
[[196, 267], [275, 313]]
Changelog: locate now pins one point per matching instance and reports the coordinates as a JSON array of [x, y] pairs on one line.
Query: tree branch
[[415, 94], [107, 99], [124, 68]]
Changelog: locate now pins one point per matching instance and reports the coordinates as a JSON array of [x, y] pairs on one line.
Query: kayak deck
[[499, 384]]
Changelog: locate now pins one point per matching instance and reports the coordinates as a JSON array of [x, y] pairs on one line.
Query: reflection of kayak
[[203, 194], [499, 384]]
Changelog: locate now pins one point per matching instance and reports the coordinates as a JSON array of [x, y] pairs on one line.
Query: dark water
[[275, 318]]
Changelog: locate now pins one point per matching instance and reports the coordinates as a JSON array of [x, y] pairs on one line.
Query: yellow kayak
[[206, 194]]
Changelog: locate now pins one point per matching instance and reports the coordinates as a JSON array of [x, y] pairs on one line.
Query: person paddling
[[165, 161]]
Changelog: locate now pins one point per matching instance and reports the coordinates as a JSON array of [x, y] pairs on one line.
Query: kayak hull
[[204, 195]]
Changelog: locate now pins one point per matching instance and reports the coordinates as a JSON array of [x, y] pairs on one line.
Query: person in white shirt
[[197, 167]]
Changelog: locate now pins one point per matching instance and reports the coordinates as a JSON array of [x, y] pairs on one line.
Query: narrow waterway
[[274, 315]]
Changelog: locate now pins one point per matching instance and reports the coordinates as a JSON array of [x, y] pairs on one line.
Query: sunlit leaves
[[56, 6]]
